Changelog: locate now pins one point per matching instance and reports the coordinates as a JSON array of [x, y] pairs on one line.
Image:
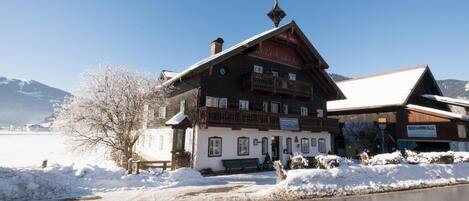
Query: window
[[304, 145], [285, 108], [223, 70], [462, 131], [243, 146], [151, 114], [180, 137], [291, 76], [214, 146], [304, 111], [265, 145], [322, 145], [223, 103], [289, 145], [313, 142], [274, 106], [182, 105], [162, 112], [211, 101], [258, 69], [243, 104], [265, 106], [320, 113], [275, 73], [161, 143]]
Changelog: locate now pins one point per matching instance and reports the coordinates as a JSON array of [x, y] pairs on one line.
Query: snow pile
[[359, 179], [388, 158], [185, 176], [437, 157]]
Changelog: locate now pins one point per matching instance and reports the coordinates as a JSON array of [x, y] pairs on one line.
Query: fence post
[[129, 166], [164, 165], [138, 167]]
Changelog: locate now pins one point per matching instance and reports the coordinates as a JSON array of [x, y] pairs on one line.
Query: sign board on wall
[[289, 123], [421, 131]]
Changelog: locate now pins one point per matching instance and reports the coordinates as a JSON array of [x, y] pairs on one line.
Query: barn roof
[[376, 91]]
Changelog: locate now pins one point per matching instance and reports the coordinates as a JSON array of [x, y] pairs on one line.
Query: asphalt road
[[449, 193]]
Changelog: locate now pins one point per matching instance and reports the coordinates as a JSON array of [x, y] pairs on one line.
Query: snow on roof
[[169, 74], [452, 101], [387, 89], [220, 54], [437, 111], [176, 119]]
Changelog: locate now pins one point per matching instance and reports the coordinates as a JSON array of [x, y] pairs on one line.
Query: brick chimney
[[216, 46]]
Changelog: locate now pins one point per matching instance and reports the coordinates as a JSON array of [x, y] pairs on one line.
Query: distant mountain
[[451, 87], [27, 101]]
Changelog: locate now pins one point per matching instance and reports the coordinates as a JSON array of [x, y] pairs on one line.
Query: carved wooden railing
[[277, 85], [234, 118]]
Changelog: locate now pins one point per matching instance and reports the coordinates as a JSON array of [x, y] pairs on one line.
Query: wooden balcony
[[234, 118], [277, 85]]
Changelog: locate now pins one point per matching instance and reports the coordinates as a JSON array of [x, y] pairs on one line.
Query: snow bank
[[59, 182], [359, 179]]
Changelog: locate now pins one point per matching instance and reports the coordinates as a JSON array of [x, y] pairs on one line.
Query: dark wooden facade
[[284, 52]]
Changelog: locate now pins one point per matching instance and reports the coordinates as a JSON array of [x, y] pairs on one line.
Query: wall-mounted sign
[[289, 124], [421, 131]]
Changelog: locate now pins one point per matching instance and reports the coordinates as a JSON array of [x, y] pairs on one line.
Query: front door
[[275, 148]]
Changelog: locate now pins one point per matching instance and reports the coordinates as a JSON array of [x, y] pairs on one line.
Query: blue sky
[[53, 41]]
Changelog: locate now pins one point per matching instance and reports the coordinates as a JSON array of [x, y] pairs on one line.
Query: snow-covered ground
[[83, 174]]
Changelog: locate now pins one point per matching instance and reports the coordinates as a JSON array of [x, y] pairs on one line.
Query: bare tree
[[108, 108], [361, 134]]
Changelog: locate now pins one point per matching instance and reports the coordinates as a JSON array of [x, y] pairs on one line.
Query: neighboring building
[[266, 94], [404, 100]]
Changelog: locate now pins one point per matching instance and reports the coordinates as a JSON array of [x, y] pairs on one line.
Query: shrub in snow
[[385, 159], [298, 162], [364, 158], [280, 171], [328, 161], [461, 157]]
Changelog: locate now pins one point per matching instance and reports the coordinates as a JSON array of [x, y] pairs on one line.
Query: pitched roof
[[235, 49], [448, 100], [380, 90], [176, 119], [438, 112]]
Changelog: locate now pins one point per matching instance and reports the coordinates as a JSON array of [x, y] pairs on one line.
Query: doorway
[[275, 148]]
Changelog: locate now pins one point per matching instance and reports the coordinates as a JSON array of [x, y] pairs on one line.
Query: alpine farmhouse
[[265, 95]]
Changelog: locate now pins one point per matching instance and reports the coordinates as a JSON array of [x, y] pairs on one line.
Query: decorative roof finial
[[276, 14]]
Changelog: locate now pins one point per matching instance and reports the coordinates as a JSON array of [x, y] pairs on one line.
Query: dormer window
[[291, 76], [258, 69]]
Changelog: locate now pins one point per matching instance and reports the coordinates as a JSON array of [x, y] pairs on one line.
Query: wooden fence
[[134, 166]]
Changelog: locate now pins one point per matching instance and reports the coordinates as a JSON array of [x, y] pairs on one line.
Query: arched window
[[289, 145], [265, 145]]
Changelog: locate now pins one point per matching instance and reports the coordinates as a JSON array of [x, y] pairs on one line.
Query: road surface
[[449, 193]]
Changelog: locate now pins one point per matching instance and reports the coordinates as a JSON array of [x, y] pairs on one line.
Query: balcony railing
[[277, 85], [234, 118]]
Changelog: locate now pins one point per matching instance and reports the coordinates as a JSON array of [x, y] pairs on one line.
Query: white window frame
[[223, 103], [243, 146], [304, 111], [162, 112], [322, 148], [272, 107], [265, 145], [462, 132], [320, 113], [258, 69], [182, 106], [292, 76], [215, 145], [304, 145], [244, 105], [265, 106]]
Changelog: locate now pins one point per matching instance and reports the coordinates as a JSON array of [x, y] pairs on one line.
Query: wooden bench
[[241, 163]]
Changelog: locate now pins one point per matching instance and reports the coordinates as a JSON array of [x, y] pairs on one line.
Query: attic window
[[223, 70], [258, 69]]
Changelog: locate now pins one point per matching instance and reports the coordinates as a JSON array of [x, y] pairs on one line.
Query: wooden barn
[[411, 107]]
